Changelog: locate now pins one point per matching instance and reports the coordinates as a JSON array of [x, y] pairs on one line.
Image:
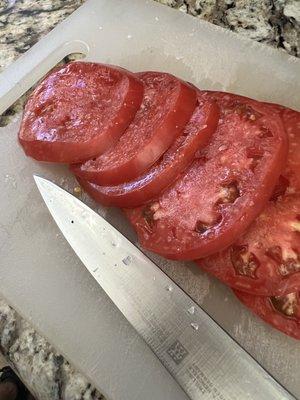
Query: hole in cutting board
[[15, 109]]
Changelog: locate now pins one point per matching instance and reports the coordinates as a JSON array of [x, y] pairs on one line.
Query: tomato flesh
[[79, 111], [195, 135], [225, 188], [265, 260], [167, 106], [282, 312], [291, 121]]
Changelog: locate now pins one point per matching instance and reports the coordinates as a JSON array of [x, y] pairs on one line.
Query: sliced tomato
[[79, 111], [282, 312], [166, 108], [195, 136], [225, 188], [266, 259], [291, 121]]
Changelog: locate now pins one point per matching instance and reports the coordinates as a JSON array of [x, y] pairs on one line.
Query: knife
[[204, 360]]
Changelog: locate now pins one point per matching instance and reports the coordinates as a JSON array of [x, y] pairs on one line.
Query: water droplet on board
[[156, 18], [169, 288], [154, 278], [114, 244], [195, 326], [191, 310], [127, 260], [129, 36], [100, 28], [11, 180]]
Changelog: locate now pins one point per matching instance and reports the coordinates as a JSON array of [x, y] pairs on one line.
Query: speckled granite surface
[[48, 375], [22, 23], [274, 22]]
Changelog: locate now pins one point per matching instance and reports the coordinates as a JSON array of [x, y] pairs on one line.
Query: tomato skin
[[265, 260], [62, 122], [188, 221], [195, 136], [265, 308], [166, 108], [291, 122]]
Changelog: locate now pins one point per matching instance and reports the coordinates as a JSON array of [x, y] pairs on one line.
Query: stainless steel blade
[[203, 358]]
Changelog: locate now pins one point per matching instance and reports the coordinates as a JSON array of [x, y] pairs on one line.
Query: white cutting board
[[42, 278]]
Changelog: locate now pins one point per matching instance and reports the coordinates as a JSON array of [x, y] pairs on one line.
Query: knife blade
[[204, 360]]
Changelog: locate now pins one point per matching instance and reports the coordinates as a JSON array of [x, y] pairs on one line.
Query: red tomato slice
[[224, 189], [195, 135], [79, 111], [266, 259], [291, 121], [166, 108], [282, 312]]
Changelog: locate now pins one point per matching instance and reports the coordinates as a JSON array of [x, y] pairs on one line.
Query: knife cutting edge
[[204, 360]]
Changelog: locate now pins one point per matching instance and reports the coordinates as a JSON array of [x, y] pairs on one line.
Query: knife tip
[[40, 182]]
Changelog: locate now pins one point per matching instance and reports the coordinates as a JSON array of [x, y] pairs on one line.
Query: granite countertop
[[22, 22]]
